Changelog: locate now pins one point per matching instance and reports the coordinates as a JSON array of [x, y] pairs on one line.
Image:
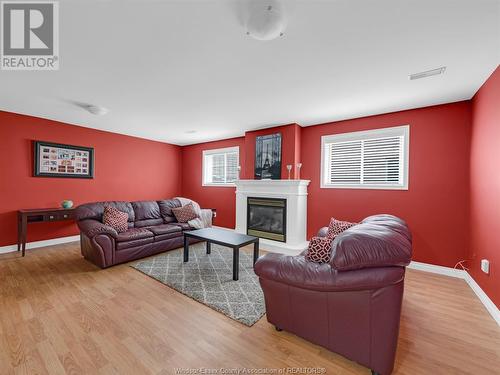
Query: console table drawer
[[66, 216], [58, 216]]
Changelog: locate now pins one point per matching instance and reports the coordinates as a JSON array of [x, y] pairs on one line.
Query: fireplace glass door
[[266, 218]]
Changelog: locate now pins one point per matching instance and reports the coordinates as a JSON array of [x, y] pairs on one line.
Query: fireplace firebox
[[266, 218]]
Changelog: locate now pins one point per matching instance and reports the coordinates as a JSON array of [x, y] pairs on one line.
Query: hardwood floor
[[61, 315]]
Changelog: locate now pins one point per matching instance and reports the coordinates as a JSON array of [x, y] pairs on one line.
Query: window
[[373, 159], [220, 167]]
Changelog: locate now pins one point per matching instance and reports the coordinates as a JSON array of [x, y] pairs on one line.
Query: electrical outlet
[[485, 266]]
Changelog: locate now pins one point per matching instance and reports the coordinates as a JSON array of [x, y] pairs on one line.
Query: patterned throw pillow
[[185, 213], [336, 227], [115, 219], [319, 250]]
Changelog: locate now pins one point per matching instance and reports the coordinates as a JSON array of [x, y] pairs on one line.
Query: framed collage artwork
[[59, 160]]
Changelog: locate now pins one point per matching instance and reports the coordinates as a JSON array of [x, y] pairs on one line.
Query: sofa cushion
[[133, 243], [146, 213], [185, 213], [166, 209], [96, 210], [164, 229], [168, 236], [148, 223], [134, 234], [183, 226], [116, 219]]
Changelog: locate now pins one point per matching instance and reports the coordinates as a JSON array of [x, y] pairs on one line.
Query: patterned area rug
[[209, 279]]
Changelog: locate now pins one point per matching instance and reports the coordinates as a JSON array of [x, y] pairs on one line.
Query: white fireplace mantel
[[295, 193]]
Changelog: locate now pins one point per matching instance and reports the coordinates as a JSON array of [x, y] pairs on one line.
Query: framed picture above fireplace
[[58, 160], [268, 157]]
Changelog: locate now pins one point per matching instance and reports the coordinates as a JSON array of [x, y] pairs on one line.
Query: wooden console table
[[37, 216]]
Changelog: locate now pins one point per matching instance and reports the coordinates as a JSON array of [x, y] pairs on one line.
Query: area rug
[[209, 279]]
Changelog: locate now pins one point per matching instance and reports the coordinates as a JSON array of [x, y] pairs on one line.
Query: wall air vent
[[428, 73]]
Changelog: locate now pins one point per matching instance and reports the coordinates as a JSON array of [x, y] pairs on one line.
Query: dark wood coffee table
[[226, 238]]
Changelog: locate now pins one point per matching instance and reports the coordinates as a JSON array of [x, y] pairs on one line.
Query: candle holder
[[289, 169], [299, 165]]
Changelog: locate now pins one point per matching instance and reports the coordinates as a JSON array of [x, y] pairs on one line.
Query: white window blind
[[220, 167], [376, 159]]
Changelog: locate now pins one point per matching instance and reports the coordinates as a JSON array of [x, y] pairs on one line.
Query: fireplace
[[266, 218], [290, 199]]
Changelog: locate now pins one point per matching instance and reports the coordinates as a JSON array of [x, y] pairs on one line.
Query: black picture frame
[[268, 157], [41, 170]]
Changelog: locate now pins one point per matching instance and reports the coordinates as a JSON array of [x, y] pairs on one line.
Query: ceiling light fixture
[[266, 21], [427, 73], [96, 109]]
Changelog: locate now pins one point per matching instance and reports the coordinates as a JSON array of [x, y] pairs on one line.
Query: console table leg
[[24, 228], [236, 263], [209, 247], [186, 249], [19, 231]]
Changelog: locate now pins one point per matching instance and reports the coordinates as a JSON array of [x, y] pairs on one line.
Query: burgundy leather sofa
[[352, 304], [152, 228]]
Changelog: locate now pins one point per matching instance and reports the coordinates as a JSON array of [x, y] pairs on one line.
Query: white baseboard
[[461, 274], [447, 271], [483, 297], [35, 244]]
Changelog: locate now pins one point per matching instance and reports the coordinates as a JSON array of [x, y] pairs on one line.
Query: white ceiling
[[166, 68]]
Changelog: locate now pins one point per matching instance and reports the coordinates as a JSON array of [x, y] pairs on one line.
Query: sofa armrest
[[299, 272], [322, 232], [212, 210], [91, 228], [206, 217]]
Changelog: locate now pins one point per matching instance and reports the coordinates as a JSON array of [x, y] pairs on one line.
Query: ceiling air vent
[[428, 73]]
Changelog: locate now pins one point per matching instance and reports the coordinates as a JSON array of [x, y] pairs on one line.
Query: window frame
[[403, 130], [225, 151]]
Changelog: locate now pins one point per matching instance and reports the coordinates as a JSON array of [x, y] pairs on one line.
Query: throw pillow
[[319, 250], [185, 213], [115, 219], [336, 227]]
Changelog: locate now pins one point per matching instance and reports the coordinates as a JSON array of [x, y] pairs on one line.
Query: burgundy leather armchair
[[352, 304]]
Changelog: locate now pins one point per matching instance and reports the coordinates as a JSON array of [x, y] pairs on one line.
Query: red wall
[[126, 168], [485, 186], [222, 198], [434, 206]]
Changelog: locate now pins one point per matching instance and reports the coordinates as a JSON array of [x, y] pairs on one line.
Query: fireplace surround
[[293, 195]]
